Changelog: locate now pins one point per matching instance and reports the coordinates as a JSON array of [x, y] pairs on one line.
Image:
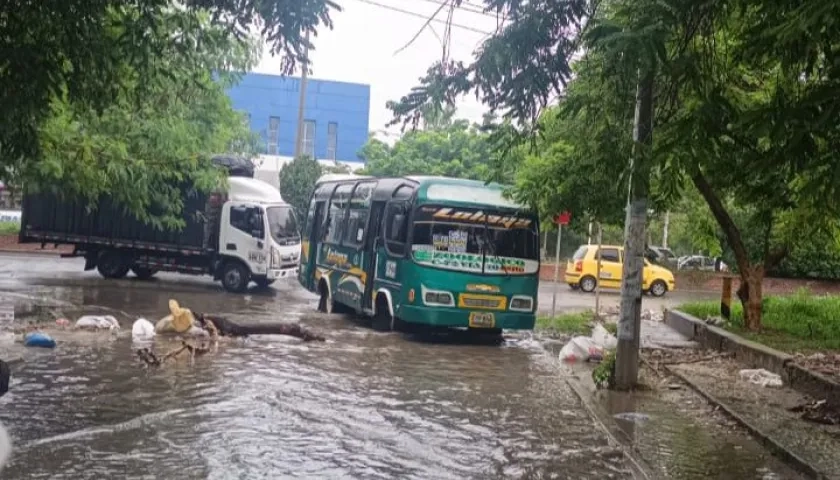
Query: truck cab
[[259, 239]]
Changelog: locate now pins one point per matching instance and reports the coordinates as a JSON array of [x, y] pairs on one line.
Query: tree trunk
[[749, 292]]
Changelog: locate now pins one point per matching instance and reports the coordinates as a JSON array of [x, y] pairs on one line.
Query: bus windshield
[[475, 240], [283, 225]]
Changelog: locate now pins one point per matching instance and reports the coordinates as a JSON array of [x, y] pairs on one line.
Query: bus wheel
[[235, 277], [325, 303], [111, 264], [383, 321]]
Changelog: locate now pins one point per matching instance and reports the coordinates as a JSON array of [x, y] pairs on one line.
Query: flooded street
[[361, 405]]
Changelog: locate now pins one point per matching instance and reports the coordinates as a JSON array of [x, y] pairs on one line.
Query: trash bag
[[761, 377], [142, 330], [179, 319], [38, 339], [98, 322], [601, 336], [235, 166], [581, 349]]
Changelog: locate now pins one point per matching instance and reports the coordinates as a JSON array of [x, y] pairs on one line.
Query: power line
[[467, 7], [424, 17]]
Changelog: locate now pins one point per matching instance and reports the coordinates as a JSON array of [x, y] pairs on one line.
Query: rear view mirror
[[397, 223]]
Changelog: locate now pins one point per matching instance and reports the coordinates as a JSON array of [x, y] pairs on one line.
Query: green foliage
[[92, 53], [9, 228], [798, 322], [297, 181], [138, 151], [566, 324], [458, 150], [604, 374]]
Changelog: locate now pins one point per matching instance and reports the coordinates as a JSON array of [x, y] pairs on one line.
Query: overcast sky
[[361, 48]]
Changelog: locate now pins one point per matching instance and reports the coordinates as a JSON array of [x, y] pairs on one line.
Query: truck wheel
[[235, 277], [111, 264], [143, 273]]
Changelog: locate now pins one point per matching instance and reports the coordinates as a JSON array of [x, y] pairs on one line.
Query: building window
[[309, 138], [273, 134], [332, 140]]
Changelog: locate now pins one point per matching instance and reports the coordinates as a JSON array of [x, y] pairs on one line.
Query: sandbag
[[98, 322]]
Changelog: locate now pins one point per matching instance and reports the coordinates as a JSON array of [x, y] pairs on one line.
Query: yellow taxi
[[582, 271]]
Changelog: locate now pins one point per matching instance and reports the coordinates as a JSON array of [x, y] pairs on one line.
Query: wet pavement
[[361, 405]]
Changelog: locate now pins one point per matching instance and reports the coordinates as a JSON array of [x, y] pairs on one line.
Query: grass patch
[[9, 228], [568, 323], [798, 323]]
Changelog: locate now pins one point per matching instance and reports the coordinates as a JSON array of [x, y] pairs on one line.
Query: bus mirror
[[397, 224]]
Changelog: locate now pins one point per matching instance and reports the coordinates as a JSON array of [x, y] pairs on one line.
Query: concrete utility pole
[[667, 223], [304, 74], [629, 323]]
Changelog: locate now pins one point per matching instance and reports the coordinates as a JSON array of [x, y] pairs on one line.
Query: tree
[[297, 181], [138, 151], [92, 55], [744, 97], [458, 150]]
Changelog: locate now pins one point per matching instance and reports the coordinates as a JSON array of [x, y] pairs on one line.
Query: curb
[[767, 441], [755, 355], [637, 466]]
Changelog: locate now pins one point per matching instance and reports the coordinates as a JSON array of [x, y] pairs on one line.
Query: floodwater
[[361, 405]]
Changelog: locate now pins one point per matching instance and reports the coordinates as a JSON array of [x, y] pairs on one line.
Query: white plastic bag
[[761, 377], [581, 349], [604, 338], [142, 330], [98, 322]]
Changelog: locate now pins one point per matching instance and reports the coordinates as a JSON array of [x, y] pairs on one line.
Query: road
[[361, 405]]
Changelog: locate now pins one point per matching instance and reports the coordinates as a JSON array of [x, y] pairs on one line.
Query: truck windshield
[[477, 241], [283, 225]]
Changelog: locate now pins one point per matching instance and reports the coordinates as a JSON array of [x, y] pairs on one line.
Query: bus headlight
[[521, 303], [437, 298]]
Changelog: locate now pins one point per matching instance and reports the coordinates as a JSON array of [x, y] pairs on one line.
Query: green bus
[[431, 251]]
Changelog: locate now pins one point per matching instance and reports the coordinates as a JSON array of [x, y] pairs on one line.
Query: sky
[[362, 48]]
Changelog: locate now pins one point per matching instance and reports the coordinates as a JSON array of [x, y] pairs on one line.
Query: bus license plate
[[482, 320]]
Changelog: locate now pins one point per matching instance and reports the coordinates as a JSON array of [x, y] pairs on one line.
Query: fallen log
[[227, 328]]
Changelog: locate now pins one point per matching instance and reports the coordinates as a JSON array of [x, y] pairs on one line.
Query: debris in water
[[38, 339], [761, 377], [142, 330], [98, 322], [634, 417], [818, 412], [62, 322]]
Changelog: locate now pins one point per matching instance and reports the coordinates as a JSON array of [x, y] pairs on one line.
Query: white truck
[[245, 234]]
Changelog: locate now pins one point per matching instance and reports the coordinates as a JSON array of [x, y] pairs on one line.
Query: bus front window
[[475, 241]]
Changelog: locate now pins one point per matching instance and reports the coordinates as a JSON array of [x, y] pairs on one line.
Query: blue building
[[336, 115]]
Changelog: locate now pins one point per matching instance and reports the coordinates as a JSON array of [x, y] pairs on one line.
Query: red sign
[[563, 218]]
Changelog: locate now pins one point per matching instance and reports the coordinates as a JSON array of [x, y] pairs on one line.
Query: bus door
[[372, 248], [309, 247]]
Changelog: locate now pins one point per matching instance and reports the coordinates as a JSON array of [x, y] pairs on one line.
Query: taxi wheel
[[588, 284], [658, 288]]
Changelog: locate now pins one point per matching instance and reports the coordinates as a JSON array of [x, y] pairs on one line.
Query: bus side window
[[336, 214], [396, 229]]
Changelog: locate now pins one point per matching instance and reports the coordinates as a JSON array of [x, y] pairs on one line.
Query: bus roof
[[433, 189]]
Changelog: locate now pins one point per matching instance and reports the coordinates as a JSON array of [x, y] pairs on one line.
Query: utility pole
[[304, 74], [629, 323], [598, 274], [667, 223]]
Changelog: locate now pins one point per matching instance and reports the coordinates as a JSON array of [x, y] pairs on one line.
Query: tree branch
[[733, 234]]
